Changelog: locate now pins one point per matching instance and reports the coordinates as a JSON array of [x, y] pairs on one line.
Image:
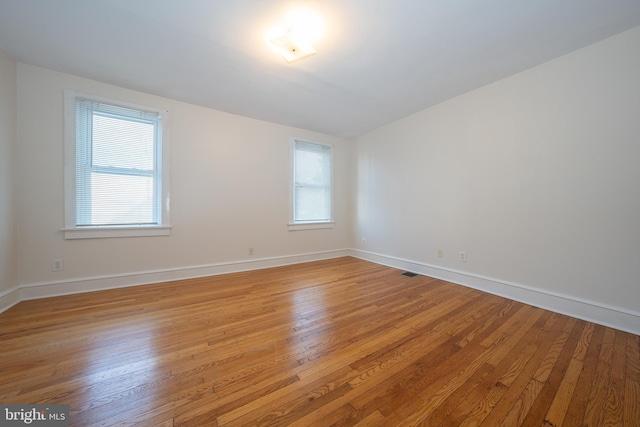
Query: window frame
[[294, 224], [71, 229]]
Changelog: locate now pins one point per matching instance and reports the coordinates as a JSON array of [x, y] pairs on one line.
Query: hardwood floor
[[337, 342]]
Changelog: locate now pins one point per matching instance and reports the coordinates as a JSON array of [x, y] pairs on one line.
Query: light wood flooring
[[337, 342]]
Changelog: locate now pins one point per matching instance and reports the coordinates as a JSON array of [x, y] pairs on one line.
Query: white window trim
[[307, 225], [71, 231], [310, 225]]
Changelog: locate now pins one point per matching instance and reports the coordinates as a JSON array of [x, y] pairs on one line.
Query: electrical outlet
[[57, 265], [463, 256], [440, 253], [250, 251]]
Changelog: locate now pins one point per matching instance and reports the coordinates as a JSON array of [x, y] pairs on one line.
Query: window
[[116, 176], [311, 186]]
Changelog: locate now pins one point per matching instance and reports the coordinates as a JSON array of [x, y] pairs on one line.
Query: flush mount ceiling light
[[293, 48], [294, 37]]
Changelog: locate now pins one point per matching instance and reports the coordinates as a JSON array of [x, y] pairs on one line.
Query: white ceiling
[[379, 61]]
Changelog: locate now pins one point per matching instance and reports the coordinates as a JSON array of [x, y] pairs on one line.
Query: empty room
[[319, 213]]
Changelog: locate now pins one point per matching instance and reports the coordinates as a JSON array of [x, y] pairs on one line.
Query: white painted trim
[[109, 232], [615, 317], [311, 225], [9, 298], [99, 283], [603, 314]]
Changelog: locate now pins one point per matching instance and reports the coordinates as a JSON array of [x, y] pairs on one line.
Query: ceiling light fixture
[[292, 47], [294, 38]]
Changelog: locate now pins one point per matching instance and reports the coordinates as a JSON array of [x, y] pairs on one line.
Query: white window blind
[[312, 182], [118, 176]]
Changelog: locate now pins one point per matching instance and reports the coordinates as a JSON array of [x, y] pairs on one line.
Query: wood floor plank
[[614, 410], [500, 401], [437, 392], [579, 399], [632, 382], [553, 381], [373, 419], [339, 342], [507, 376], [560, 404], [376, 371], [594, 412], [421, 356]]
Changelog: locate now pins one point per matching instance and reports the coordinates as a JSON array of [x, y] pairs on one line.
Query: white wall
[[536, 177], [8, 242], [229, 189]]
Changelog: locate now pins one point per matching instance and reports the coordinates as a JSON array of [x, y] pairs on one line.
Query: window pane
[[122, 143], [312, 204], [312, 182], [310, 168], [121, 199]]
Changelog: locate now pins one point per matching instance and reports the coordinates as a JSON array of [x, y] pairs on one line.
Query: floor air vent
[[409, 274]]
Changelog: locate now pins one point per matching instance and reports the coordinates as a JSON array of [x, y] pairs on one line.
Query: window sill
[[310, 225], [107, 232]]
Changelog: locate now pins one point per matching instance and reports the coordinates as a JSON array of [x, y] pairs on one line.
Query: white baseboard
[[90, 284], [9, 298], [615, 317]]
